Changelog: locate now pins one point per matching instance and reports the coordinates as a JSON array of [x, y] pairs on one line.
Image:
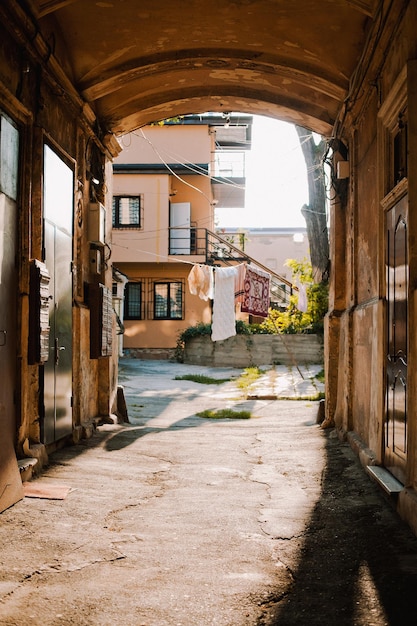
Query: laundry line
[[227, 286], [230, 290], [251, 289]]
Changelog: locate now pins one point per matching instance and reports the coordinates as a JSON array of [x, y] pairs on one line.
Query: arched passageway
[[75, 74], [142, 63]]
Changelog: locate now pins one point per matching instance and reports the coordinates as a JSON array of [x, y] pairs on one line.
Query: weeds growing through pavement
[[204, 380], [225, 414]]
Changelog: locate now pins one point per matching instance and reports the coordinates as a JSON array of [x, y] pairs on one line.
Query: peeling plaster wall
[[356, 333], [30, 96]]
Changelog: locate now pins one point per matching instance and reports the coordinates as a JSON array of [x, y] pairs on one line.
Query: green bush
[[292, 321]]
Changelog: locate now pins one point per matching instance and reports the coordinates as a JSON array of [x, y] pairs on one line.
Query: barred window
[[127, 211], [168, 300], [133, 301]]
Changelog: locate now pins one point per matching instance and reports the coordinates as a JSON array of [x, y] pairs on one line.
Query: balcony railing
[[217, 251]]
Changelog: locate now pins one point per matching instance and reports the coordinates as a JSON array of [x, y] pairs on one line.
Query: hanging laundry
[[256, 296], [201, 281], [240, 282], [302, 304], [223, 323]]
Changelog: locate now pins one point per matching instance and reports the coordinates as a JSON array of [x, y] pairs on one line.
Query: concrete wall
[[169, 144], [248, 350]]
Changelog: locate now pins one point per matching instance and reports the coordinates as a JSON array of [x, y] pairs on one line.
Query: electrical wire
[[155, 254], [195, 168], [188, 164]]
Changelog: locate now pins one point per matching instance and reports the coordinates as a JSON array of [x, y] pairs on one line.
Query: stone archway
[[142, 63]]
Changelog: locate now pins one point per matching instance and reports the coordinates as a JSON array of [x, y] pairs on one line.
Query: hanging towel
[[201, 281], [224, 324], [302, 304], [256, 296], [240, 282]]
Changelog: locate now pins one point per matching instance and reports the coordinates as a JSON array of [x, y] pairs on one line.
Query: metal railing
[[218, 251]]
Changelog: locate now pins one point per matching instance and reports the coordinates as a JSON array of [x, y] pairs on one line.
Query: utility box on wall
[[97, 223], [100, 301], [38, 348]]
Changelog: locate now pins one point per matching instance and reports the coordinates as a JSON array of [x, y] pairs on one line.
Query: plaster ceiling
[[139, 61]]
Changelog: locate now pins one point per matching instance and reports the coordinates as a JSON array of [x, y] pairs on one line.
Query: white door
[[179, 231]]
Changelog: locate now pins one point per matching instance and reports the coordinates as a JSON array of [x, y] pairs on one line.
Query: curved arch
[[98, 84], [135, 62], [162, 105]]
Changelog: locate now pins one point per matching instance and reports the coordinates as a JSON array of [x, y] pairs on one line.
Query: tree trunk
[[315, 212]]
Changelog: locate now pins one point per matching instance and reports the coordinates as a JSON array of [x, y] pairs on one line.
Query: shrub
[[292, 320]]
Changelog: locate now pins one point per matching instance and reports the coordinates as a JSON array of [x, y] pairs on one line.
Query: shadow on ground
[[358, 560], [129, 435]]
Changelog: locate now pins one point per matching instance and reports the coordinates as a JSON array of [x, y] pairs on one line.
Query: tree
[[314, 212]]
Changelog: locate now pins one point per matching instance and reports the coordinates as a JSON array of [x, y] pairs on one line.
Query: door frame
[[50, 432], [11, 490], [394, 459]]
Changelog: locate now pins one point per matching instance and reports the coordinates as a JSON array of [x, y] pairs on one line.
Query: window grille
[[133, 301], [166, 300], [128, 211]]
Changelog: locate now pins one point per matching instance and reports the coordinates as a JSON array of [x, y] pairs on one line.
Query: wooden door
[[396, 426]]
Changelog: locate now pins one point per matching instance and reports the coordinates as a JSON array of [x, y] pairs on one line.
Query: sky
[[276, 179]]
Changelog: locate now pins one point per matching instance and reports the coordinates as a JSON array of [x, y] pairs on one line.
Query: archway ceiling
[[136, 62]]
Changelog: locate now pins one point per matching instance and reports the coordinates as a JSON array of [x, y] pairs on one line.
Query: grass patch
[[225, 414], [320, 376], [204, 380], [249, 377], [320, 395]]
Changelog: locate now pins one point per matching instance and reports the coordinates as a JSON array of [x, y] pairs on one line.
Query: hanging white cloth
[[201, 281], [302, 304], [223, 323]]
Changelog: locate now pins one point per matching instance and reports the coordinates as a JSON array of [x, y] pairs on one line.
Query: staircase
[[219, 252]]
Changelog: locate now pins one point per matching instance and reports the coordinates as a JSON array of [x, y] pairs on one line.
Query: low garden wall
[[250, 350]]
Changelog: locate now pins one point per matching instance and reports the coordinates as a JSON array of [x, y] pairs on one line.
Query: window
[[127, 211], [133, 301], [168, 300], [392, 134], [399, 149], [229, 163]]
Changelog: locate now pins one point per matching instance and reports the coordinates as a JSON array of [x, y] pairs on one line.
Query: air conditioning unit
[[97, 223]]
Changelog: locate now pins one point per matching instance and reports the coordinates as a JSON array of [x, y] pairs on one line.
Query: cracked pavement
[[175, 520]]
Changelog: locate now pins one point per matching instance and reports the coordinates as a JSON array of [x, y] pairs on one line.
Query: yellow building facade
[[168, 177]]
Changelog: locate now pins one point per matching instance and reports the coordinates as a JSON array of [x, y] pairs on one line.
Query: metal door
[[10, 483], [58, 212], [396, 429], [180, 232]]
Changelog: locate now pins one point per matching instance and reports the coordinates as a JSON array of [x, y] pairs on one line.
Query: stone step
[[385, 479]]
